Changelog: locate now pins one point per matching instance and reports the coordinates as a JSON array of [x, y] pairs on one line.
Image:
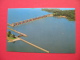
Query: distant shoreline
[[61, 16]]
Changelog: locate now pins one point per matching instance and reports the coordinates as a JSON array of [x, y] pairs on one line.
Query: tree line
[[70, 14], [10, 34]]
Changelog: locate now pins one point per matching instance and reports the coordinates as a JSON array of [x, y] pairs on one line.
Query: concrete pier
[[31, 44], [34, 45], [18, 32], [20, 39]]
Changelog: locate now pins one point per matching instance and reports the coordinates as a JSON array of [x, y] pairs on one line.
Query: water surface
[[56, 35]]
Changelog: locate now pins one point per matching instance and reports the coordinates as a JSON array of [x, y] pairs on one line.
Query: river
[[56, 35]]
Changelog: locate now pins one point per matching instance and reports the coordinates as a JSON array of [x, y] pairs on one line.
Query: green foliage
[[70, 14], [9, 33], [50, 10], [13, 36]]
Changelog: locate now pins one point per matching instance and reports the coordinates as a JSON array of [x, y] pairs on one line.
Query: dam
[[50, 33], [29, 20]]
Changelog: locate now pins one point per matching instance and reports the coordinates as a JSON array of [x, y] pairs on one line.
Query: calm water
[[56, 35]]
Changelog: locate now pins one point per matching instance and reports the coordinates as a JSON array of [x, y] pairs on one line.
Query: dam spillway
[[29, 20]]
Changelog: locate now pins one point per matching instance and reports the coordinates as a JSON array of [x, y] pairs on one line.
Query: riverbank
[[70, 14], [61, 16], [10, 39]]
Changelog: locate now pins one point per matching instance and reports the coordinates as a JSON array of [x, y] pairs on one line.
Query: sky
[[50, 8], [60, 8]]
